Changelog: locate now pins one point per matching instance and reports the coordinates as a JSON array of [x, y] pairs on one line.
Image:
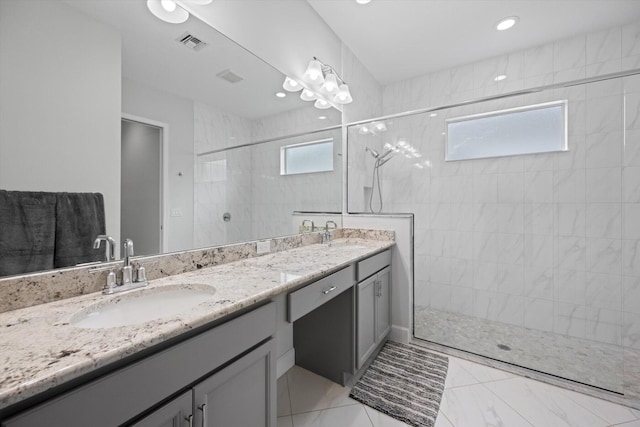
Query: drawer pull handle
[[331, 289], [203, 408]]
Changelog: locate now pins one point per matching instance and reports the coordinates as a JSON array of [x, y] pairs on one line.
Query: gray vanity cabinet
[[374, 301], [241, 394], [176, 413], [230, 368]]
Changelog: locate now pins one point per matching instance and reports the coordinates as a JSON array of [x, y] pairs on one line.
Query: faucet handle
[[141, 275], [111, 283]]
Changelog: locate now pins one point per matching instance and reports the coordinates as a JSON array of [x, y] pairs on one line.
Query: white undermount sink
[[142, 306], [345, 244]]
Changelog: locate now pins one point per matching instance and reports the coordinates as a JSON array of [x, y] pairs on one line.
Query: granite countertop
[[40, 349]]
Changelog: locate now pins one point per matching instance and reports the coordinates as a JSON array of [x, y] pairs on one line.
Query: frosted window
[[534, 129], [309, 157]]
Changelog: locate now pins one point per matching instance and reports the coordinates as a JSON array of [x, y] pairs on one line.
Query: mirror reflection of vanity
[[70, 71]]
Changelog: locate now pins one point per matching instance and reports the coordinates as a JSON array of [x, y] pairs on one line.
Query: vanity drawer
[[315, 294], [373, 264]]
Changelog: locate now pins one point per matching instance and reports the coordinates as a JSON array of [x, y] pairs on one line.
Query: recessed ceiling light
[[506, 23], [433, 114], [363, 1], [281, 94], [499, 77], [322, 117]]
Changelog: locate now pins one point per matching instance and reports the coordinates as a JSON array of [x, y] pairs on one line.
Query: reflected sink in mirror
[[142, 306]]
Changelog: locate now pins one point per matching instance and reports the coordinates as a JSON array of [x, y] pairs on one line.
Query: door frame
[[164, 175]]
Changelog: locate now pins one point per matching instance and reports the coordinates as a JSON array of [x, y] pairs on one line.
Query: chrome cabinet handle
[[379, 284], [331, 289], [203, 408], [190, 419]]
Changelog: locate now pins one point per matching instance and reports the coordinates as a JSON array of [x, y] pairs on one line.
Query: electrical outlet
[[263, 247]]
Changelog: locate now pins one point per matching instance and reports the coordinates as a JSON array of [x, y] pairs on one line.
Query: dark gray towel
[[27, 231], [79, 220]]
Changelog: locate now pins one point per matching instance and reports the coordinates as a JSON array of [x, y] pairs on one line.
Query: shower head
[[382, 162], [389, 151], [373, 152]]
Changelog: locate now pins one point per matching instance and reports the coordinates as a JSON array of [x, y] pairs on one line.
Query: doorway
[[141, 213]]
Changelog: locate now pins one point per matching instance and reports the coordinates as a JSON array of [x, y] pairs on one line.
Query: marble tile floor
[[475, 396]]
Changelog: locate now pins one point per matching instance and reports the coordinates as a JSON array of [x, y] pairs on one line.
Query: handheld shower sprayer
[[381, 159], [373, 152]]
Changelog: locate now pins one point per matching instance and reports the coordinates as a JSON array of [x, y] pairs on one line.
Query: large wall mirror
[[81, 78]]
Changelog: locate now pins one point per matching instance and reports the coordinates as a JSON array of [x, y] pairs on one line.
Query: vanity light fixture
[[499, 77], [168, 11], [506, 23], [320, 82]]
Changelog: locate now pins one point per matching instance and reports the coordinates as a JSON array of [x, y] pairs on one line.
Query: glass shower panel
[[529, 259], [240, 195]]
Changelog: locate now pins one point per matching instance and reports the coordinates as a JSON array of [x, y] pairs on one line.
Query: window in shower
[[532, 129], [307, 157]]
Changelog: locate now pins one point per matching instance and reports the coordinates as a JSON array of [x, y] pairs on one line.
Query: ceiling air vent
[[191, 41], [229, 76]]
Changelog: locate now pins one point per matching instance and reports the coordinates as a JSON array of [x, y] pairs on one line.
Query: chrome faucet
[[127, 283], [109, 246], [326, 237], [304, 227], [127, 271]]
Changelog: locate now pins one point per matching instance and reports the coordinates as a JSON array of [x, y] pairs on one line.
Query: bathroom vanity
[[212, 364]]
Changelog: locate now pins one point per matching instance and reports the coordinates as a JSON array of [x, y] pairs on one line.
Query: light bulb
[[281, 94], [291, 85], [330, 83], [308, 95], [321, 104], [168, 5], [344, 95], [313, 73]]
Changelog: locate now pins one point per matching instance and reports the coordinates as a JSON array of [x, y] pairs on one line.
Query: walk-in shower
[[532, 259]]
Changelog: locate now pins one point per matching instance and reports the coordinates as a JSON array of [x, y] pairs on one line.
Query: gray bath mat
[[405, 382]]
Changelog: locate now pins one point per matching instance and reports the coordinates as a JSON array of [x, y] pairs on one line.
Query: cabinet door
[[242, 394], [177, 413], [367, 291], [383, 305]]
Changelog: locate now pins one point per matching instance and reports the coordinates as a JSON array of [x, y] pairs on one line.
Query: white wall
[[143, 101], [59, 103]]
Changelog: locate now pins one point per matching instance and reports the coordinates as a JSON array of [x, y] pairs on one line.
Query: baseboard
[[400, 334], [286, 362]]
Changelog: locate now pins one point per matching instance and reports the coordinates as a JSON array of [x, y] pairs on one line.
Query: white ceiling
[[400, 39], [151, 55]]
